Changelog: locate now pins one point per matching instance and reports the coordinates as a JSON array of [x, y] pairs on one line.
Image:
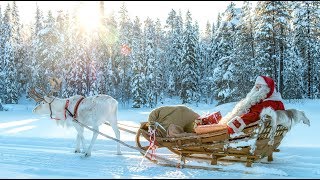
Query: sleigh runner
[[248, 146]]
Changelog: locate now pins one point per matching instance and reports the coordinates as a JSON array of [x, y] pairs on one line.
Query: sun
[[88, 15]]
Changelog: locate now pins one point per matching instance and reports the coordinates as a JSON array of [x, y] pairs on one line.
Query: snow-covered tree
[[151, 71], [174, 51], [138, 79], [160, 55], [204, 54], [9, 77], [306, 32], [76, 78], [243, 53], [189, 75], [223, 53], [124, 60], [293, 78], [2, 85], [271, 31]]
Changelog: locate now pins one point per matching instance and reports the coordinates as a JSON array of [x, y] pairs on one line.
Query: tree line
[[141, 63]]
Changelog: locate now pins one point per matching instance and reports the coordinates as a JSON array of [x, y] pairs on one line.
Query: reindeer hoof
[[77, 151], [85, 155], [119, 153]]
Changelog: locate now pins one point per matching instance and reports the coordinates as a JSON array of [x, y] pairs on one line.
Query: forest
[[139, 63]]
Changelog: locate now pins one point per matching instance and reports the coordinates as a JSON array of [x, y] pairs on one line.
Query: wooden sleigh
[[248, 147]]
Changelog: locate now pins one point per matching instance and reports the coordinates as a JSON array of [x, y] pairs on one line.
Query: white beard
[[243, 106]]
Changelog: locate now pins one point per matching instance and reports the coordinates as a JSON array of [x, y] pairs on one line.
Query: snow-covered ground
[[33, 146]]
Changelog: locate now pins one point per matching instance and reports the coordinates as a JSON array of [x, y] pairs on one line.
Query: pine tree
[[244, 53], [20, 51], [306, 32], [272, 29], [39, 21], [2, 85], [35, 64], [205, 59], [138, 79], [160, 55], [76, 78], [150, 63], [224, 77], [51, 48], [188, 91], [293, 78], [264, 39], [11, 94], [174, 52], [16, 26], [124, 61], [112, 43]]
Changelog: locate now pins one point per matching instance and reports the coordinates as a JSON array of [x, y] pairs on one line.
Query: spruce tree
[[138, 79], [124, 60], [189, 77]]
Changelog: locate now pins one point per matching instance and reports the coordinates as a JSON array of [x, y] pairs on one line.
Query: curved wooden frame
[[219, 145]]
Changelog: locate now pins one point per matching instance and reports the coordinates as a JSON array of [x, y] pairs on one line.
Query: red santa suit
[[248, 110]]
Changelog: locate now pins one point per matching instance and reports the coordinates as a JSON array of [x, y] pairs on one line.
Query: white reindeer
[[91, 111]]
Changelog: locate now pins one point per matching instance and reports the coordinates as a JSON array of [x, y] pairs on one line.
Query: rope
[[124, 129], [128, 125], [125, 144]]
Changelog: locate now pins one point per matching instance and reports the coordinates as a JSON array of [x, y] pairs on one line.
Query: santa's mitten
[[236, 124]]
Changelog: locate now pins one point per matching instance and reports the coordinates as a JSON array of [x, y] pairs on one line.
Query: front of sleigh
[[248, 146]]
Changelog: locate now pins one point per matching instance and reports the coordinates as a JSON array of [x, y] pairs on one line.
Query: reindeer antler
[[35, 95], [55, 84]]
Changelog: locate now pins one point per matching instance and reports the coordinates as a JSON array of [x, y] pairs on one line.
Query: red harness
[[74, 115]]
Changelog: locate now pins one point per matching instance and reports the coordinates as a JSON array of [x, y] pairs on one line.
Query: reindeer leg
[[77, 149], [117, 133], [94, 137], [83, 141], [80, 138]]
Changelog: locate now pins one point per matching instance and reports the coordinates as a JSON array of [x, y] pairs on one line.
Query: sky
[[202, 11], [33, 146]]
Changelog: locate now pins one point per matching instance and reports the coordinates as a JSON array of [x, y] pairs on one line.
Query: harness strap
[[66, 108], [74, 115], [76, 107], [51, 109]]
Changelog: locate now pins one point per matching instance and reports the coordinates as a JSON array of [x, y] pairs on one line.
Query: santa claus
[[247, 111]]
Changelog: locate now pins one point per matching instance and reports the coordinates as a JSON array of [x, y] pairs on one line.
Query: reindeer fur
[[92, 111]]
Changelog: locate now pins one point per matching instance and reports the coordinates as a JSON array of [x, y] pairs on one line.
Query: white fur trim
[[275, 96], [260, 80], [235, 129]]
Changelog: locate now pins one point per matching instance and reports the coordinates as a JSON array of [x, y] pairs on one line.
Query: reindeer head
[[44, 98]]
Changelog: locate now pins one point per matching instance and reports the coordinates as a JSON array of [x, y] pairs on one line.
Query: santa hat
[[264, 80]]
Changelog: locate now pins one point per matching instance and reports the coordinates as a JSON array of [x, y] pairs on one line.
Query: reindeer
[[91, 111]]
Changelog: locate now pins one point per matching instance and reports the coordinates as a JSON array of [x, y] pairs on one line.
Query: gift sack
[[212, 118]]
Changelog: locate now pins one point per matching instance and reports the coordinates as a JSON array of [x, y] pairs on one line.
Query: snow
[[34, 146]]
